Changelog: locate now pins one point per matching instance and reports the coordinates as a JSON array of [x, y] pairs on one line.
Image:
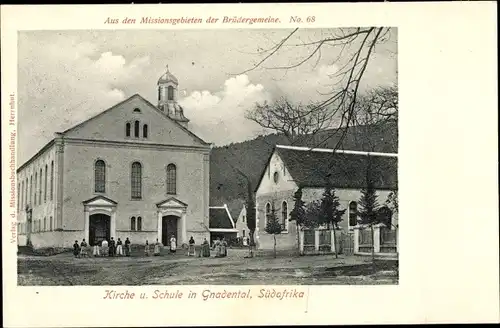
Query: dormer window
[[137, 110]]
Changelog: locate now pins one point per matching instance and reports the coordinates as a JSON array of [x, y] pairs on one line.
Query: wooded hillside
[[227, 185]]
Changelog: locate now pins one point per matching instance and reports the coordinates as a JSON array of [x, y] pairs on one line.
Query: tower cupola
[[167, 98]]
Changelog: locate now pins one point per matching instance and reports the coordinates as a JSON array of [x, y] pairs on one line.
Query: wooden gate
[[347, 243]]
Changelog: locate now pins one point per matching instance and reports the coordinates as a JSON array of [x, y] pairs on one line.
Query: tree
[[298, 213], [368, 203], [291, 120], [313, 215], [374, 111], [392, 201], [331, 214], [251, 220], [351, 50], [377, 105], [273, 225]]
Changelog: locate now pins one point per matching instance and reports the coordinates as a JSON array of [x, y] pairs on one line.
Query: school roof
[[235, 206], [220, 218], [311, 167]]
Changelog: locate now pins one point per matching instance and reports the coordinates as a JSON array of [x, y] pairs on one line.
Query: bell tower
[[167, 98]]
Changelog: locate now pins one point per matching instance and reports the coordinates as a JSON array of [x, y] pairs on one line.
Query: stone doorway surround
[[99, 205], [173, 206]]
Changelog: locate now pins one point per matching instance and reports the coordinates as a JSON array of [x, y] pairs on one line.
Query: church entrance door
[[100, 228], [169, 228]]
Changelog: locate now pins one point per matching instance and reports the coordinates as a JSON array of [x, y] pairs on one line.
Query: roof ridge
[[339, 151]]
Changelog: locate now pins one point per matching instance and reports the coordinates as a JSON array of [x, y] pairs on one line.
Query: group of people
[[158, 246], [220, 247], [113, 248], [118, 248]]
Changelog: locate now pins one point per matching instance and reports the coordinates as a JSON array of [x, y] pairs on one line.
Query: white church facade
[[135, 170]]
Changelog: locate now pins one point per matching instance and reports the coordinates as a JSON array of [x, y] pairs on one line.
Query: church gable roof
[[310, 168], [110, 125]]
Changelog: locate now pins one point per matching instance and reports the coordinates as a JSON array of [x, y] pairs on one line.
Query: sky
[[66, 77]]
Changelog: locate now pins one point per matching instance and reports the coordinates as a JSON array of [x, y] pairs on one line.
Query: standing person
[[217, 247], [173, 244], [76, 249], [104, 248], [146, 249], [119, 248], [191, 247], [127, 247], [83, 248], [205, 248], [224, 247], [96, 251], [112, 245], [157, 249]]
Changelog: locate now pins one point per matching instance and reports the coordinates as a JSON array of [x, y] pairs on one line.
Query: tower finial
[[167, 68]]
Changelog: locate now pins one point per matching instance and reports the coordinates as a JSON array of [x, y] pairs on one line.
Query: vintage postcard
[[248, 164]]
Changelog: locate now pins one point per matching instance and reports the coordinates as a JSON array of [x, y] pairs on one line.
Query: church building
[[135, 170]]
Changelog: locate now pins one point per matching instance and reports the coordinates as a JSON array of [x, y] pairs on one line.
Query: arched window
[[353, 214], [139, 223], [132, 223], [136, 180], [170, 92], [100, 176], [45, 184], [137, 110], [127, 130], [31, 187], [36, 186], [26, 187], [40, 189], [145, 131], [171, 179], [284, 216], [18, 196], [21, 200], [268, 211], [44, 224], [52, 180], [136, 129], [159, 93], [51, 226]]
